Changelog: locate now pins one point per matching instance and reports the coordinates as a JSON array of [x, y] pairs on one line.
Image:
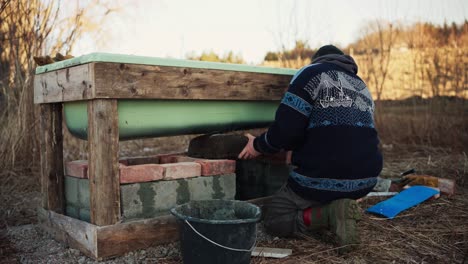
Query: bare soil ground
[[433, 232]]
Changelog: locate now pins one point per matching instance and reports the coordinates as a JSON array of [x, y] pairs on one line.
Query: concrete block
[[130, 201], [181, 170], [276, 175], [71, 191], [83, 193], [141, 173], [215, 187], [77, 168], [216, 167], [150, 199], [250, 179]]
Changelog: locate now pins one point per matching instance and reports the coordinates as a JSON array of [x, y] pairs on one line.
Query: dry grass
[[413, 137], [433, 232], [441, 122]]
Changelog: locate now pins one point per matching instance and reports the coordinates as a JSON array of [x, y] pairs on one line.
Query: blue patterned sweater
[[326, 119]]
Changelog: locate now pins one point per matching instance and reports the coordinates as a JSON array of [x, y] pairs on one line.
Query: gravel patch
[[33, 245]]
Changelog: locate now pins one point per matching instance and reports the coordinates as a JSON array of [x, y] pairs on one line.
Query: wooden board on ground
[[100, 242], [271, 252]]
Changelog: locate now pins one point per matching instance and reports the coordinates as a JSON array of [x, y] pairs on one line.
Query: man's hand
[[249, 151]]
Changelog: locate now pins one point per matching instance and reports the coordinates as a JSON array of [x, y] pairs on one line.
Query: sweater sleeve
[[291, 121]]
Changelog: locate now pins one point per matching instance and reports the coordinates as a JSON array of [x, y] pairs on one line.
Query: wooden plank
[[271, 252], [52, 181], [69, 84], [114, 80], [100, 242], [118, 239], [103, 171], [75, 233]]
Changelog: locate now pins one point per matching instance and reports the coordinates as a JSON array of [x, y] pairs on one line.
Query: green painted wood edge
[[133, 59]]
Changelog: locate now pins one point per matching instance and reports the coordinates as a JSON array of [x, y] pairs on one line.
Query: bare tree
[[378, 41], [30, 28]]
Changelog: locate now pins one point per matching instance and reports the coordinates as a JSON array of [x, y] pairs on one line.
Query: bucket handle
[[219, 245]]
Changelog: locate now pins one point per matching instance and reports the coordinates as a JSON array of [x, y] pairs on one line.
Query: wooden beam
[[52, 181], [115, 80], [103, 171], [117, 239], [69, 84], [75, 233], [127, 81], [100, 242]]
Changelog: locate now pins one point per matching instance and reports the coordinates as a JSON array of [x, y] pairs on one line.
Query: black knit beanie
[[327, 49]]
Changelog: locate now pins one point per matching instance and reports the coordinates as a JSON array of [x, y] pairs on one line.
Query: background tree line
[[396, 61]]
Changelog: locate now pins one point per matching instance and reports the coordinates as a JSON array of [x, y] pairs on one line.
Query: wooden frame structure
[[102, 79]]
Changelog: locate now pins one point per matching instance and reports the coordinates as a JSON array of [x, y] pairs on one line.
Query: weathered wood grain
[[52, 181], [70, 84], [103, 171], [117, 239], [114, 80], [101, 242], [75, 233], [127, 81]]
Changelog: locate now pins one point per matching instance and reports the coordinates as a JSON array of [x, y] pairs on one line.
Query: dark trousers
[[283, 215]]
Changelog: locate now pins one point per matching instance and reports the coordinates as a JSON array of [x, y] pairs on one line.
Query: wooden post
[[52, 182], [103, 147]]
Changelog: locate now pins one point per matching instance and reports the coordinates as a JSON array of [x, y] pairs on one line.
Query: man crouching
[[326, 120]]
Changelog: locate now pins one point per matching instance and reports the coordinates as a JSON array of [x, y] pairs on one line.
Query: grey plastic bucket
[[217, 231]]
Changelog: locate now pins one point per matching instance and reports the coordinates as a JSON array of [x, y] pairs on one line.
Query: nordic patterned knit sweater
[[326, 119]]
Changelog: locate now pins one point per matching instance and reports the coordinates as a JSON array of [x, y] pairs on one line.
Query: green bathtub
[[140, 118], [159, 118]]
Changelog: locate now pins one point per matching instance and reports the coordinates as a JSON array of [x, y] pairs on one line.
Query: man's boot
[[339, 217]]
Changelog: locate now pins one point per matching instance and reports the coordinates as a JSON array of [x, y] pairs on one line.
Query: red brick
[[181, 170], [141, 173], [217, 167], [77, 168]]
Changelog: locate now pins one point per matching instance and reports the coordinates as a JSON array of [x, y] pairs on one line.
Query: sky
[[251, 28]]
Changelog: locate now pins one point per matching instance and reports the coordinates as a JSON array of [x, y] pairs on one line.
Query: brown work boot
[[339, 217]]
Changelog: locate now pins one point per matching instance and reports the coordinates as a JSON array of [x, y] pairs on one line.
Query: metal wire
[[219, 245]]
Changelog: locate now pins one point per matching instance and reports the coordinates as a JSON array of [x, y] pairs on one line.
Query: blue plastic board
[[402, 201]]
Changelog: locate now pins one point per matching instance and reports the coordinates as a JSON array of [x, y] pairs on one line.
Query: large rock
[[217, 146]]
